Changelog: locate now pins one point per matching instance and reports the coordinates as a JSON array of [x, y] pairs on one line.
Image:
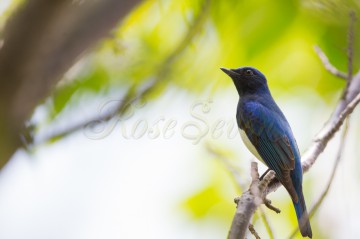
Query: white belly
[[249, 145]]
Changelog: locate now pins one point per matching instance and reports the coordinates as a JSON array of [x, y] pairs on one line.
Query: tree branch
[[349, 100], [248, 205], [236, 174], [253, 231], [133, 94], [321, 141], [350, 50], [316, 206], [266, 223], [226, 161], [328, 66], [41, 41], [252, 199]]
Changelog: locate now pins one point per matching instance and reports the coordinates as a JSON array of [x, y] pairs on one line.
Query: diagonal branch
[[349, 100], [266, 223], [133, 94], [236, 174], [42, 40], [253, 231], [316, 206], [252, 198], [310, 157], [321, 141], [328, 66], [350, 50]]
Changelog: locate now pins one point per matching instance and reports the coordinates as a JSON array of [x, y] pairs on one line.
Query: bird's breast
[[249, 145]]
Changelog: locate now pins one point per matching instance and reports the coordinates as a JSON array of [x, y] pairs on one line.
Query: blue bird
[[267, 134]]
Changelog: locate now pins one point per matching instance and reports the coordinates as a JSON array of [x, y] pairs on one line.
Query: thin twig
[[319, 145], [235, 171], [353, 82], [345, 104], [350, 51], [253, 231], [252, 198], [343, 109], [161, 75], [328, 66], [266, 223], [41, 41], [243, 215], [268, 204], [352, 87]]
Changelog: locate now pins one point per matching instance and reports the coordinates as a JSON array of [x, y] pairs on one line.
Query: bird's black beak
[[229, 72]]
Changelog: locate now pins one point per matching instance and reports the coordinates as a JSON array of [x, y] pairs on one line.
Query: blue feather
[[269, 132]]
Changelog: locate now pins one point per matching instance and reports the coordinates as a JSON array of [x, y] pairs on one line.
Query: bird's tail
[[302, 215]]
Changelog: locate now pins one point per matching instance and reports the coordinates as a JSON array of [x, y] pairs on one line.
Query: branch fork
[[251, 199]]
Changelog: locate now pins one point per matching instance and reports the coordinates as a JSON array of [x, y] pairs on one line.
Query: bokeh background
[[170, 163]]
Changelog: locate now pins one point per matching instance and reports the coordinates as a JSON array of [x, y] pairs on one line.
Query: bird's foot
[[263, 175]]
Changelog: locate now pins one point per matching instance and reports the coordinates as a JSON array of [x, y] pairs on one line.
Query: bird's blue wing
[[269, 132]]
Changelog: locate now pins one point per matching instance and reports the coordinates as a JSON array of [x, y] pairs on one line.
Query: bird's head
[[247, 80]]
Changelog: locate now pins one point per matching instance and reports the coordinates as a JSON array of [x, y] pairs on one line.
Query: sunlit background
[[165, 167]]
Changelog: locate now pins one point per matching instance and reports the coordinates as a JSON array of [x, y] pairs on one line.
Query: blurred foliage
[[202, 203], [183, 43], [94, 82], [215, 199]]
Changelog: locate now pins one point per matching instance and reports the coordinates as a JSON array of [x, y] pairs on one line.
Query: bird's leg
[[266, 201], [263, 175]]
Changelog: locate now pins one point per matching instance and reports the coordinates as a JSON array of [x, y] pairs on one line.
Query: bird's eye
[[249, 72]]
